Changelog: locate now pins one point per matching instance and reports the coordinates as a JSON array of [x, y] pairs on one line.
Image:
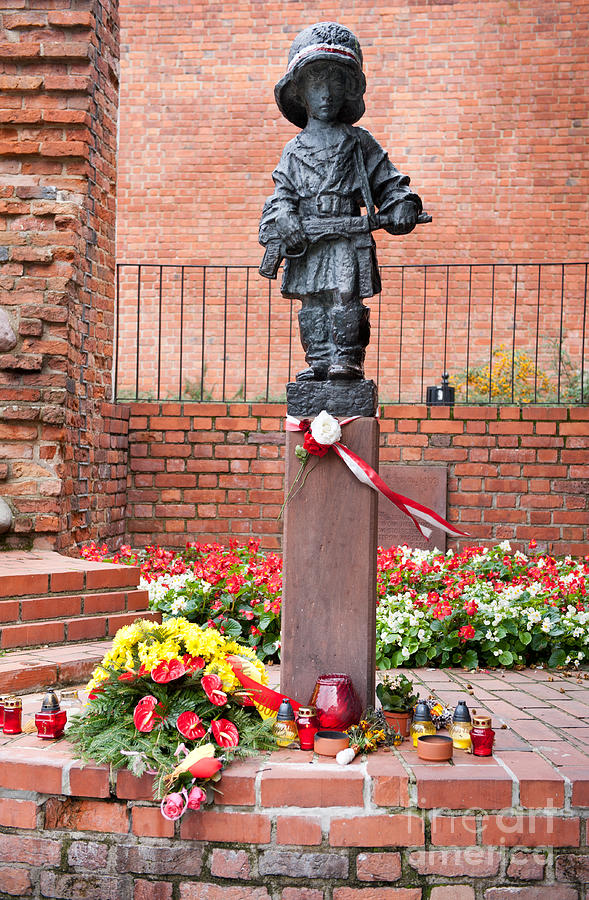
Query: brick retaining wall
[[283, 829], [214, 471]]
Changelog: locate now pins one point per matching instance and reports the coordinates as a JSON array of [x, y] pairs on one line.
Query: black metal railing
[[507, 333]]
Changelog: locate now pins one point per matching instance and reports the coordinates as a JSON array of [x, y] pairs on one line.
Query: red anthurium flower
[[205, 768], [312, 447], [190, 726], [143, 670], [127, 676], [192, 663], [144, 715], [225, 733], [168, 670], [211, 685], [94, 693]]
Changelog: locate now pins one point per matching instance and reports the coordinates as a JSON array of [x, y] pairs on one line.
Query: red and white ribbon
[[418, 513]]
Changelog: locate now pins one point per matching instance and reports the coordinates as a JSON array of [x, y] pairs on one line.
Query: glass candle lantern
[[12, 715], [284, 728], [482, 736], [461, 727], [422, 722], [337, 703], [2, 712], [308, 726], [51, 720]]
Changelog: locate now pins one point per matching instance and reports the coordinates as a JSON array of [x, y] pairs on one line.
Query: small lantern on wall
[[442, 395]]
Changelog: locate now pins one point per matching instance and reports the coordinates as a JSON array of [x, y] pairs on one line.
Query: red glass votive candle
[[51, 720], [12, 715], [2, 712], [337, 703], [482, 736], [308, 726]]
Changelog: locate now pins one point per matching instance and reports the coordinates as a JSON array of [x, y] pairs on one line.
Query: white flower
[[405, 653], [546, 625], [505, 546], [325, 429]]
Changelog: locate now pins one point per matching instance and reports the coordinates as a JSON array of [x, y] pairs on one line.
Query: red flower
[[211, 685], [205, 768], [127, 676], [466, 632], [168, 670], [192, 663], [190, 726], [225, 733], [144, 715], [312, 447]]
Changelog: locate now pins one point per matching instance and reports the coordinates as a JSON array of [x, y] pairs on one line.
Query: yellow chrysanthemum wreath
[[148, 643]]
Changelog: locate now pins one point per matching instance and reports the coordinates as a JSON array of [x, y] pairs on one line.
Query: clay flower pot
[[329, 743], [434, 747], [400, 721]]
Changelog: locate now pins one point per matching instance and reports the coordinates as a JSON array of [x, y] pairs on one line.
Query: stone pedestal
[[329, 593]]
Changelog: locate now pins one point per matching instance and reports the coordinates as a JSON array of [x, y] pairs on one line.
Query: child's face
[[322, 89]]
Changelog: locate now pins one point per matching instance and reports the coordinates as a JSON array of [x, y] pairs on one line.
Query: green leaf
[[232, 627], [525, 637], [506, 658], [470, 660], [557, 658], [265, 620], [270, 647]]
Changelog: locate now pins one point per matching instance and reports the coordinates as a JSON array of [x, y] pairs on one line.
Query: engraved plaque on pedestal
[[427, 485]]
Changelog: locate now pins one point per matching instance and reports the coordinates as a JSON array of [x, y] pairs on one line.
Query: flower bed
[[480, 607]]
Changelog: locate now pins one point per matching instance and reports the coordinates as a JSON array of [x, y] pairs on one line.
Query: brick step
[[59, 631], [27, 671], [62, 606], [36, 572]]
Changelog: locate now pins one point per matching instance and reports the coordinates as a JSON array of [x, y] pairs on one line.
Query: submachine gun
[[319, 228]]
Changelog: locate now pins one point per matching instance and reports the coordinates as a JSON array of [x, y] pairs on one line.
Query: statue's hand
[[403, 218], [290, 230]]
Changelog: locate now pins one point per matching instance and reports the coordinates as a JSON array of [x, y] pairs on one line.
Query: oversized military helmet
[[331, 42]]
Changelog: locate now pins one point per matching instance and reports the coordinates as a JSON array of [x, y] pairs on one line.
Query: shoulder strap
[[364, 183]]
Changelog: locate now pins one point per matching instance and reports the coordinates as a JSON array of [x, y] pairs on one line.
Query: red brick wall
[[283, 829], [213, 471], [483, 104], [59, 78]]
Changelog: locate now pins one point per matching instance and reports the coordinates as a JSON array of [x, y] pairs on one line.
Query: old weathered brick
[[230, 864], [303, 864], [91, 887], [87, 855], [526, 866], [148, 860]]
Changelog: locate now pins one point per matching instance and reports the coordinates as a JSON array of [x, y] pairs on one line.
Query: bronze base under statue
[[306, 399]]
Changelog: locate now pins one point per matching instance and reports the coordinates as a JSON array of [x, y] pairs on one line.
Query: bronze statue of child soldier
[[325, 175]]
